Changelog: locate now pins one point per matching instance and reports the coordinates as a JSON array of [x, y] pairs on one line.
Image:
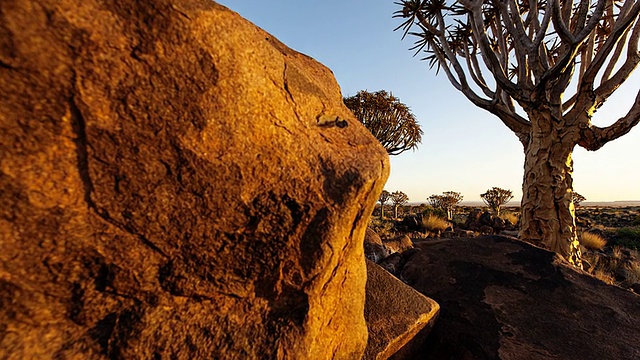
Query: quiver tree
[[543, 68], [447, 201], [384, 197], [495, 198], [398, 198], [389, 120], [577, 198]]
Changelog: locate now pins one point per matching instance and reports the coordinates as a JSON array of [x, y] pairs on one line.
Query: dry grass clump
[[604, 276], [592, 241], [510, 217], [633, 272], [434, 223]]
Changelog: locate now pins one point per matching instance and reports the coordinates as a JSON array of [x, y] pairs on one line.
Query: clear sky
[[464, 148]]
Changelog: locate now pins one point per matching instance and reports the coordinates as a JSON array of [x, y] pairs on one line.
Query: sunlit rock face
[[176, 183]]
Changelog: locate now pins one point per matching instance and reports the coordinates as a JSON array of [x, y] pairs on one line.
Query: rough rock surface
[[398, 317], [398, 244], [373, 248], [505, 299], [175, 183]]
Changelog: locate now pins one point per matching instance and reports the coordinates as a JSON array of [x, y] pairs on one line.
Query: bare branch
[[593, 137], [586, 101], [520, 33], [620, 28], [593, 21], [581, 16], [476, 73], [607, 88], [488, 54], [559, 23]]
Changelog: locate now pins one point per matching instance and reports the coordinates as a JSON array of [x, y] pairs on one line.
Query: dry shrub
[[509, 216], [592, 241], [434, 223], [384, 228], [615, 260], [633, 272]]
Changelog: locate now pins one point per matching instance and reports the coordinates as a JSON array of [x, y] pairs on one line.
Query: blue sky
[[464, 148]]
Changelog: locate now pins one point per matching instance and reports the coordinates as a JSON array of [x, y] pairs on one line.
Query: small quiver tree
[[398, 198], [577, 198], [447, 202], [389, 120], [543, 67], [384, 197], [495, 198]]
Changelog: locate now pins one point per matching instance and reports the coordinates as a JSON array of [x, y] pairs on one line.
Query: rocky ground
[[501, 298]]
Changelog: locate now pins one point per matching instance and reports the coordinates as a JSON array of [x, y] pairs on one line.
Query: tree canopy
[[496, 197], [532, 49], [577, 198], [447, 201], [389, 120], [398, 198], [383, 198]]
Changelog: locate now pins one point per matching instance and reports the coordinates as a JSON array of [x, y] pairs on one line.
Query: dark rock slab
[[505, 299], [398, 317]]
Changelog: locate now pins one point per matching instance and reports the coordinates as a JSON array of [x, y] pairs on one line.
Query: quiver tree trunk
[[548, 216]]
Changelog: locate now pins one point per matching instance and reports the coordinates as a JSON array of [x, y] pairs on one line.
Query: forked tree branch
[[593, 137]]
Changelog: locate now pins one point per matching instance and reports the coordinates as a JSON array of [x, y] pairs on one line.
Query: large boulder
[[176, 183], [505, 299], [398, 317]]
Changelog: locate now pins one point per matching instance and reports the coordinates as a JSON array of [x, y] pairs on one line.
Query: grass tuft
[[434, 223], [592, 241], [604, 276], [633, 272]]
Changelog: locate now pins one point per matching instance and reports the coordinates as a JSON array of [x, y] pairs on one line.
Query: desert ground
[[609, 234]]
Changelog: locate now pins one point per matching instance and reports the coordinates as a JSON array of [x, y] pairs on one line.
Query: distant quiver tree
[[495, 198], [384, 197], [577, 198], [398, 198], [447, 201], [389, 120], [543, 67]]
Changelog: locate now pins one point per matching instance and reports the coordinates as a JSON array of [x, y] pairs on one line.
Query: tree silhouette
[[577, 198], [535, 52], [496, 197], [389, 120], [398, 198], [384, 197], [447, 201]]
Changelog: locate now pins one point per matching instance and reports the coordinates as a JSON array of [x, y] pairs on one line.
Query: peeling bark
[[548, 216]]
